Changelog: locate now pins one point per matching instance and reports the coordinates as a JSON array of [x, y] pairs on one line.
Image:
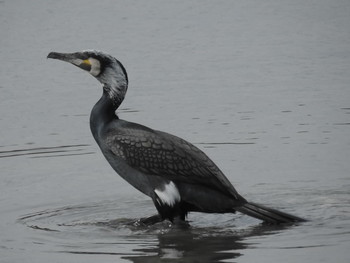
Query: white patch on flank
[[169, 195], [95, 67]]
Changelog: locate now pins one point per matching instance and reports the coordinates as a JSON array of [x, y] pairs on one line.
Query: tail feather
[[267, 214]]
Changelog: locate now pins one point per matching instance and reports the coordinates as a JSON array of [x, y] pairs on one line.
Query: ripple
[[81, 217], [44, 152], [97, 217], [87, 229], [225, 143], [342, 123]]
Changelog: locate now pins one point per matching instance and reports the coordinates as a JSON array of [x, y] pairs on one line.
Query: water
[[261, 87]]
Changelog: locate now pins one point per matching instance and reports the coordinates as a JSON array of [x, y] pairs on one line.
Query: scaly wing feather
[[162, 154]]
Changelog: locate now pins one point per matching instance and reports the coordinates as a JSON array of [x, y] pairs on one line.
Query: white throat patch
[[169, 195], [95, 67]]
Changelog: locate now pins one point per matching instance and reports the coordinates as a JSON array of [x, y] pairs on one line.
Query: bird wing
[[162, 154]]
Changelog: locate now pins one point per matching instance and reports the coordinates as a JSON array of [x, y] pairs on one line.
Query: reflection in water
[[190, 247], [199, 245]]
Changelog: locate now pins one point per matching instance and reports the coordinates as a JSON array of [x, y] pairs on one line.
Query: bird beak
[[68, 57], [76, 59]]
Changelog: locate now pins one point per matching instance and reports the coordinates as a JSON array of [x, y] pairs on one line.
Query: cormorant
[[174, 173]]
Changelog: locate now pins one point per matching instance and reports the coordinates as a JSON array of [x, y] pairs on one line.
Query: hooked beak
[[62, 56], [77, 59]]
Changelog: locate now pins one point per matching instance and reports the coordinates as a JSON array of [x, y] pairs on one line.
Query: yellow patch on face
[[86, 62]]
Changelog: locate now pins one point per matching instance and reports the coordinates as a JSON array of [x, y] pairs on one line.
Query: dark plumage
[[178, 176]]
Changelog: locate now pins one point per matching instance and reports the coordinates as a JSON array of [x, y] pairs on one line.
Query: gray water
[[261, 86]]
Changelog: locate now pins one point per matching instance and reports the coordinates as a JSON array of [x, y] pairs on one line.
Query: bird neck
[[103, 113]]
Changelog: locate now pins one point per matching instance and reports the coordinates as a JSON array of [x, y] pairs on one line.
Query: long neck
[[102, 113]]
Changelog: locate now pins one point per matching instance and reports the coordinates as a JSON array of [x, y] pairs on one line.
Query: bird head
[[105, 68]]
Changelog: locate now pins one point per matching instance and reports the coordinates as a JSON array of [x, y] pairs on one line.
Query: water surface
[[262, 88]]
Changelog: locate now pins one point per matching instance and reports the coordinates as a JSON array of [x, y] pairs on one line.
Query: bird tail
[[268, 215]]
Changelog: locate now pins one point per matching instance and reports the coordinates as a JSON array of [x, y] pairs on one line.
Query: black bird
[[175, 174]]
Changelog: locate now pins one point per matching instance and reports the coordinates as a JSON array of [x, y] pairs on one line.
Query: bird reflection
[[194, 245]]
